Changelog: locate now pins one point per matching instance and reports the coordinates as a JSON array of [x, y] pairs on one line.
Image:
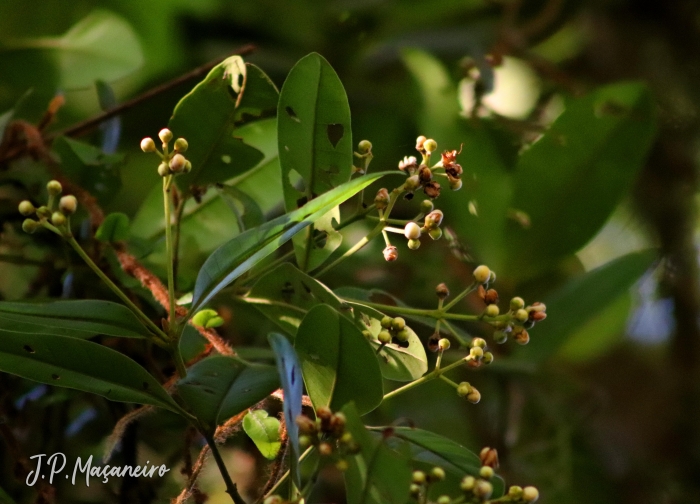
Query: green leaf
[[232, 94], [82, 319], [264, 430], [102, 46], [114, 228], [337, 362], [378, 474], [240, 254], [219, 387], [315, 144], [432, 448], [290, 375], [571, 179], [581, 300], [83, 365], [246, 210]]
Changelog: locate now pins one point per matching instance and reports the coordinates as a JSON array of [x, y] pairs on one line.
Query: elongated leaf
[[78, 364], [115, 227], [432, 448], [338, 364], [582, 299], [101, 46], [219, 387], [82, 319], [264, 430], [378, 474], [289, 370], [315, 144], [244, 207], [237, 256], [232, 94]]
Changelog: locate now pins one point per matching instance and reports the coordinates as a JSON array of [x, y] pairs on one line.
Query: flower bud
[[434, 219], [500, 337], [381, 200], [491, 297], [536, 307], [414, 244], [521, 315], [177, 163], [408, 164], [444, 499], [398, 323], [426, 206], [412, 231], [487, 358], [415, 490], [492, 310], [68, 204], [442, 291], [181, 145], [54, 188], [425, 175], [420, 141], [148, 145], [386, 322], [412, 183], [384, 337], [474, 396], [443, 344], [468, 483], [364, 146], [437, 474], [188, 166], [306, 425], [26, 208], [482, 274], [43, 212], [516, 303], [418, 477], [163, 169], [483, 489], [430, 145], [455, 183], [464, 388], [30, 226], [476, 353], [521, 337], [403, 335], [515, 492], [58, 219], [165, 135], [435, 233], [530, 494], [478, 342], [489, 457], [486, 472]]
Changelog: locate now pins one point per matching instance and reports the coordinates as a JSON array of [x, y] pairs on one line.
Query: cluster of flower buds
[[421, 481], [469, 392], [478, 488], [452, 169], [521, 495], [420, 175], [55, 215], [327, 433], [412, 231], [522, 318], [478, 353], [173, 162], [394, 330]]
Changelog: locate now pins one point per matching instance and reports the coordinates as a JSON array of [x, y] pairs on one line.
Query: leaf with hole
[[232, 94], [83, 365], [219, 387], [77, 318], [315, 144], [240, 254], [264, 430]]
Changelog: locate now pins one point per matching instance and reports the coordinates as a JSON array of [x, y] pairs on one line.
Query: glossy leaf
[[337, 362], [240, 254], [232, 94], [435, 449], [83, 319], [378, 474], [571, 179], [246, 210], [114, 228], [315, 144], [219, 387], [289, 369], [101, 46], [581, 300], [83, 365], [264, 430]]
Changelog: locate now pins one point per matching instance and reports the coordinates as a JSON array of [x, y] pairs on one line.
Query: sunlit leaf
[[264, 430]]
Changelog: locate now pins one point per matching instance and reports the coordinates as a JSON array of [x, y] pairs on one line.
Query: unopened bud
[[398, 323], [437, 474], [482, 274], [414, 244], [500, 337], [342, 465], [274, 499], [492, 311], [177, 163], [26, 208], [521, 337], [415, 490], [468, 483], [381, 200], [30, 226], [165, 135], [364, 146], [386, 322], [474, 396], [443, 344], [434, 219], [148, 145], [516, 303], [403, 335], [412, 183], [412, 231], [478, 342], [487, 358], [483, 489], [463, 389], [486, 472], [54, 188], [455, 183], [442, 291], [426, 206], [530, 494], [384, 337], [430, 145], [521, 315], [418, 477], [476, 353], [489, 457], [58, 219], [181, 145], [444, 499], [491, 297], [43, 212], [420, 141], [188, 166], [515, 492], [68, 204]]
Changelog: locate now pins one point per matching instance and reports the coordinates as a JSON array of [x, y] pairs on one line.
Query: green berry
[[68, 204], [426, 206], [54, 188], [181, 145], [30, 226], [386, 322], [414, 244], [486, 472], [26, 208], [58, 219], [468, 483], [403, 335], [398, 323], [487, 358], [384, 337], [148, 145], [521, 315], [364, 146], [165, 135], [492, 311], [530, 494], [412, 231], [430, 145], [177, 163], [443, 344], [482, 274], [435, 233], [517, 303], [418, 477], [463, 389]]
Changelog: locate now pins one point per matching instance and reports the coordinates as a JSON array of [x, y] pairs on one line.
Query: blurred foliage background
[[597, 219]]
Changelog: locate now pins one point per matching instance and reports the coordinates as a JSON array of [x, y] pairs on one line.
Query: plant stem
[[231, 487], [161, 337], [459, 296], [435, 373], [179, 362], [364, 241], [286, 474], [179, 210], [169, 248]]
